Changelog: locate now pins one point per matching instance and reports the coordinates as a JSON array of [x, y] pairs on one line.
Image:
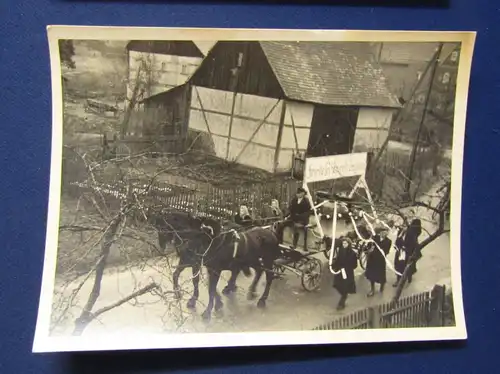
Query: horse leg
[[218, 303], [191, 304], [177, 272], [231, 284], [251, 291], [213, 279], [269, 280]]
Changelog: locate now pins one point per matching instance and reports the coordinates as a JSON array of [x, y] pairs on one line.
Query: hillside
[[100, 72]]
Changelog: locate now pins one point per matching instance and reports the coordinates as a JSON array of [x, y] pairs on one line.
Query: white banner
[[334, 167]]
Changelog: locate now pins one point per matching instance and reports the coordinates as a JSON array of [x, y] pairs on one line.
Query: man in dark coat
[[375, 264], [344, 265], [298, 219], [407, 247]]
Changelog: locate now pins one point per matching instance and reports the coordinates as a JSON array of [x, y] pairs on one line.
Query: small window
[[454, 56], [184, 69], [446, 78]]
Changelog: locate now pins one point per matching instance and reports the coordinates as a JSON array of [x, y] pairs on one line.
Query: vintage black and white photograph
[[212, 187]]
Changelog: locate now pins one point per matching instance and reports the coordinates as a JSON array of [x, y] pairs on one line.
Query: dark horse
[[255, 248], [190, 239]]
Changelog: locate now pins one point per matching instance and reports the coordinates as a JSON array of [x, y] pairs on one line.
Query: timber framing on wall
[[280, 135], [205, 119], [249, 141]]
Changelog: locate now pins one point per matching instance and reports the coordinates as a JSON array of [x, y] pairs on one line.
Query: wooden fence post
[[374, 317], [436, 306]]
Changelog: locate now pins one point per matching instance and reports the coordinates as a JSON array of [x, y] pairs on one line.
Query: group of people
[[297, 217], [346, 261]]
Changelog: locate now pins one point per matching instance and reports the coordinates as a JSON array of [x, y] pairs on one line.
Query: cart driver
[[298, 217]]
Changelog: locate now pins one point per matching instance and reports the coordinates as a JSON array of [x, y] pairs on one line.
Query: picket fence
[[215, 202], [425, 309]]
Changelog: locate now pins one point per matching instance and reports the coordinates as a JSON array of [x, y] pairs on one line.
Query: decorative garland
[[365, 217]]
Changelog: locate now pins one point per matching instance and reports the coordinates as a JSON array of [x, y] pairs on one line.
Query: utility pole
[[422, 121], [399, 114], [235, 83]]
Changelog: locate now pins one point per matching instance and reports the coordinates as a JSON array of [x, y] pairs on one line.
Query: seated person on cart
[[298, 219], [243, 217]]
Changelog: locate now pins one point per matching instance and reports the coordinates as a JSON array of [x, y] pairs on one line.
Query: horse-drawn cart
[[308, 268]]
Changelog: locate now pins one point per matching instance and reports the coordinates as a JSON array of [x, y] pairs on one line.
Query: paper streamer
[[332, 246], [388, 263]]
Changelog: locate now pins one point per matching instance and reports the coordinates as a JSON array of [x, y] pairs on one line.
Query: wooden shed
[[261, 103], [154, 69]]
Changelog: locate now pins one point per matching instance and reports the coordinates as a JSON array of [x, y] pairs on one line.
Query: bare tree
[[110, 215]]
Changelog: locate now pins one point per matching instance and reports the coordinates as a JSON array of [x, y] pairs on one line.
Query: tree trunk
[[436, 234], [86, 316]]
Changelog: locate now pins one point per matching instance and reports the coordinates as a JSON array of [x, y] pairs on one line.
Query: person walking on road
[[407, 247], [343, 266], [375, 264]]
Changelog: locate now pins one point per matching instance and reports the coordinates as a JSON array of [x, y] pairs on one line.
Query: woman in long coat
[[375, 264], [407, 244], [344, 265]]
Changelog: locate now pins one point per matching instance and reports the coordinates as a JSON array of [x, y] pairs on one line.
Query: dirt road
[[289, 307]]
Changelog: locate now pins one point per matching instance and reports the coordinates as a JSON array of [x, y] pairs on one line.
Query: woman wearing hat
[[344, 265], [299, 209], [375, 264]]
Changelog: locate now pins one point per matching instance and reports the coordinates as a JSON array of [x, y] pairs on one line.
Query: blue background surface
[[25, 123]]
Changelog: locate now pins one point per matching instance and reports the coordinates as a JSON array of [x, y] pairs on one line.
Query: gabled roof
[[329, 73], [171, 47]]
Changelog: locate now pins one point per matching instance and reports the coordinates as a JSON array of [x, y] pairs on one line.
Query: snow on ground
[[289, 307]]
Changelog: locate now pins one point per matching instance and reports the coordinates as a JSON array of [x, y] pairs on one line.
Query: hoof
[[228, 290], [261, 304], [191, 304], [251, 296], [219, 312], [206, 316], [218, 307]]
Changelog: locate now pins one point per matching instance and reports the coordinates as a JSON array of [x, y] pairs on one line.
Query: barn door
[[332, 131]]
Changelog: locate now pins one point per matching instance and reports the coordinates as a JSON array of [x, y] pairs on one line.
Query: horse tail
[[246, 271]]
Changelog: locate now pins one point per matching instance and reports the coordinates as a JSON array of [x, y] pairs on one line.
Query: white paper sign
[[344, 275], [335, 167]]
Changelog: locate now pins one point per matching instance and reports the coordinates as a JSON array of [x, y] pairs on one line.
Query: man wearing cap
[[298, 218]]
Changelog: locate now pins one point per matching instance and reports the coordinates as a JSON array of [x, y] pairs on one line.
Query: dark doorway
[[332, 131]]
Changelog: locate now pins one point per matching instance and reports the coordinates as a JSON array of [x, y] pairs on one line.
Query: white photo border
[[43, 342]]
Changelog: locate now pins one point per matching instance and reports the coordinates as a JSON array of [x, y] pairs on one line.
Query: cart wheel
[[362, 259], [279, 271], [311, 274]]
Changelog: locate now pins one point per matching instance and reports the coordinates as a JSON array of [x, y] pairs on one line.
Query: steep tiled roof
[[407, 52], [333, 73]]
